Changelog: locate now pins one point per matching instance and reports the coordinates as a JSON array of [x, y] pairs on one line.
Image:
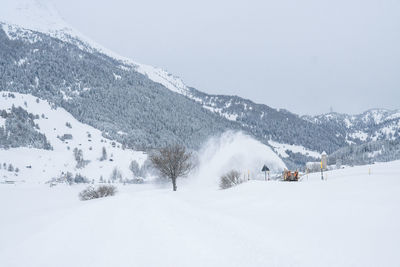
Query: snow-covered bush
[[136, 180], [66, 137], [230, 179], [80, 179], [10, 168], [101, 191]]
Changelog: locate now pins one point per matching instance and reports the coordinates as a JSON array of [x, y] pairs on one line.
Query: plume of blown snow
[[233, 151]]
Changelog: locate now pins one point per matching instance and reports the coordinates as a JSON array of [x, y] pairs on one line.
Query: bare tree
[[172, 162]]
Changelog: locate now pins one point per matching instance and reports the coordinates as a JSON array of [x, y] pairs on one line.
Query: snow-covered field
[[351, 219]]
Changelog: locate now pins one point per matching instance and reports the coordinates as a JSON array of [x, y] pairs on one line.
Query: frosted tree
[[103, 154], [10, 168], [134, 168], [80, 162], [115, 175]]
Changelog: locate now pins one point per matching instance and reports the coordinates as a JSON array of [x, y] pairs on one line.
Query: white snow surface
[[47, 164], [282, 148], [350, 219]]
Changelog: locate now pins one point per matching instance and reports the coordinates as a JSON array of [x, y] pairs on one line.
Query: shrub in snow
[[101, 191], [66, 137], [136, 180], [230, 179], [80, 179]]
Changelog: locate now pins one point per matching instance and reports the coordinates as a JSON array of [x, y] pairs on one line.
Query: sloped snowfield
[[351, 219], [47, 164]]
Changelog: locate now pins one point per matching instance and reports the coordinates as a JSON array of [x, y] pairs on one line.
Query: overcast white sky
[[305, 56]]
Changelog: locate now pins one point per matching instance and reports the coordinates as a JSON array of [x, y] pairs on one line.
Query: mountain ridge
[[139, 106]]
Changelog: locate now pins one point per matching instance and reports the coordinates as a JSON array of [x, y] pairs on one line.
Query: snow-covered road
[[352, 219]]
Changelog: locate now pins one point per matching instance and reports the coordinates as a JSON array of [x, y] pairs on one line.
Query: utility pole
[[322, 173]]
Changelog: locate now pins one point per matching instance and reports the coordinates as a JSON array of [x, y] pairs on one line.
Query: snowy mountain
[[372, 125], [143, 107]]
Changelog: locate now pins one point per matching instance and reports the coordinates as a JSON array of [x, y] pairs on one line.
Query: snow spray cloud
[[233, 151]]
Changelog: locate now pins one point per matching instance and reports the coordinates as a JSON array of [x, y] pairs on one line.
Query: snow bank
[[234, 150], [350, 219]]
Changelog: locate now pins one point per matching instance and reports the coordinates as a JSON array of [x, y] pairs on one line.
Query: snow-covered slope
[[38, 165], [282, 150], [350, 219], [40, 15], [371, 125]]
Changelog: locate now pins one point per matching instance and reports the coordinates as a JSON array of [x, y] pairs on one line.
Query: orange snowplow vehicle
[[290, 176]]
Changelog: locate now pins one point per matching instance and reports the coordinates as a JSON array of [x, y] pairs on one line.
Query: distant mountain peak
[[38, 15], [42, 16]]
